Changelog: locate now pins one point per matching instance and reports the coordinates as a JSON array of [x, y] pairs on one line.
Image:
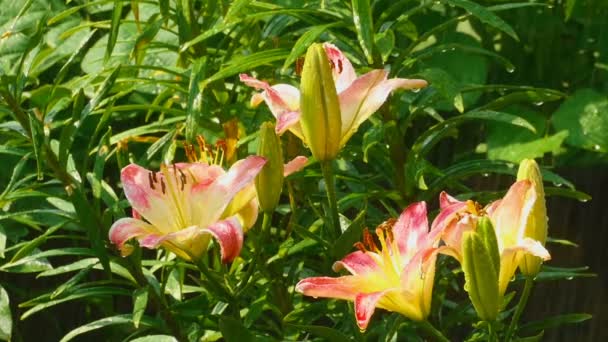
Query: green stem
[[265, 231], [523, 300], [432, 331], [330, 187]]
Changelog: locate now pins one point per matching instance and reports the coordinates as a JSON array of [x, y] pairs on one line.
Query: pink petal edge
[[294, 165]]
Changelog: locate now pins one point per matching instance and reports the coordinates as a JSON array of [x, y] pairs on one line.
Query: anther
[[154, 177], [339, 66], [162, 185], [151, 180], [360, 246]]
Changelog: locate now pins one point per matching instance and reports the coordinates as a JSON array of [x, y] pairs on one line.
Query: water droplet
[[486, 175], [539, 103], [444, 50], [581, 51], [510, 68], [597, 147], [569, 278], [565, 84], [584, 200], [590, 40], [415, 90], [559, 185], [596, 54]]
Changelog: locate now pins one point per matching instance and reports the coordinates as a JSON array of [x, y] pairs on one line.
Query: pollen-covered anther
[[151, 180], [387, 226], [360, 246], [368, 241]]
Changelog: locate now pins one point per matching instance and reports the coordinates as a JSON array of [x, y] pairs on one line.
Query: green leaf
[[233, 331], [326, 333], [445, 84], [362, 17], [433, 135], [98, 324], [585, 116], [115, 25], [6, 320], [485, 16], [2, 241], [514, 150], [569, 7], [385, 43], [554, 322], [155, 338], [140, 302], [300, 46], [351, 235], [246, 64], [550, 273]]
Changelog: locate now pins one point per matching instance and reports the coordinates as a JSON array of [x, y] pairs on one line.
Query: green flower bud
[[269, 182], [319, 105], [536, 227], [481, 265]]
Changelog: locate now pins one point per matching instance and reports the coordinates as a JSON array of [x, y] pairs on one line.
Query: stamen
[[360, 246], [154, 177], [368, 240], [182, 177], [151, 180], [387, 226], [162, 185], [299, 65], [339, 66]]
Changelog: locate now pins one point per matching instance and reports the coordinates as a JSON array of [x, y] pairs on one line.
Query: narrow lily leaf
[[247, 63], [554, 322], [115, 26], [37, 134], [155, 338], [485, 15], [304, 42], [140, 301], [362, 17], [234, 331], [326, 333], [71, 282], [101, 93], [351, 235], [433, 135], [101, 323], [6, 320]]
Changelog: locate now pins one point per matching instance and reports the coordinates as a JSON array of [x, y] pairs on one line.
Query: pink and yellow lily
[[509, 216], [397, 277], [181, 207], [359, 97]]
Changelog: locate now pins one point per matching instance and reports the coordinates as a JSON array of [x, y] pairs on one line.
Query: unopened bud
[[269, 182], [536, 227], [319, 104], [481, 266]]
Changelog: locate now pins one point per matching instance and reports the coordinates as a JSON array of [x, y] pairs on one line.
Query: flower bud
[[269, 182], [481, 266], [536, 227], [319, 104]]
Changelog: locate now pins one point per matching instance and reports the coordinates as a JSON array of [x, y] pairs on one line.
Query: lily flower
[[359, 97], [397, 276], [509, 217], [184, 205]]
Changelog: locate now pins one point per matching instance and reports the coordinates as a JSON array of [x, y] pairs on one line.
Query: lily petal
[[286, 121], [126, 229], [365, 305], [148, 199], [511, 215], [411, 228], [346, 287], [280, 98], [209, 202], [445, 200], [365, 95], [229, 235], [342, 70], [357, 263], [295, 165]]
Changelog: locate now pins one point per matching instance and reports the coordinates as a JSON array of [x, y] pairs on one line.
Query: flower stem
[[523, 300], [263, 236], [432, 331], [330, 187]]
